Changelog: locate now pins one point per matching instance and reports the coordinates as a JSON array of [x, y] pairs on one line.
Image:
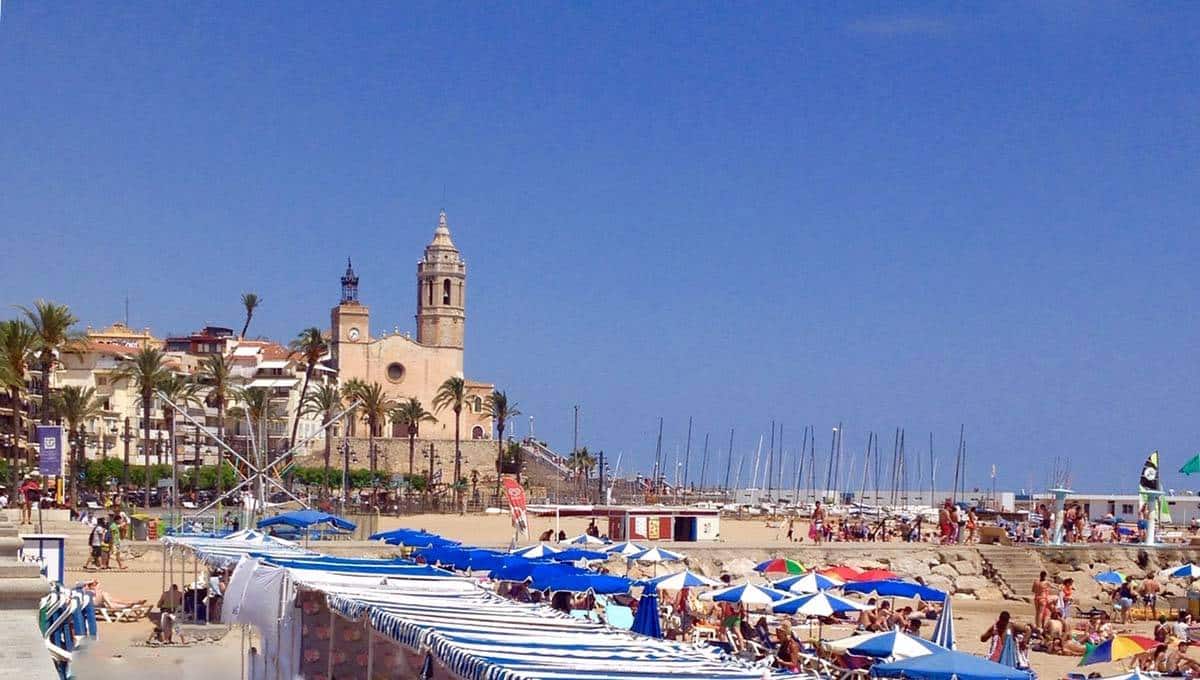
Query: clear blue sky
[[896, 215]]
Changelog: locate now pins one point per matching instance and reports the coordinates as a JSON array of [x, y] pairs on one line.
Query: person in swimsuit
[[788, 654], [815, 532], [1041, 601]]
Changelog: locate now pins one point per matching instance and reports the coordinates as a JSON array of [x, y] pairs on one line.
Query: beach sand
[[121, 652]]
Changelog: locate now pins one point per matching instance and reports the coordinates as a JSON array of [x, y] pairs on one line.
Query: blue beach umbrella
[[747, 593], [576, 554], [1008, 653], [624, 549], [948, 665], [811, 582], [895, 589], [1188, 570], [582, 582], [943, 629], [656, 555], [681, 580], [518, 570], [817, 604], [1111, 578], [892, 645], [583, 540], [646, 621], [536, 551]]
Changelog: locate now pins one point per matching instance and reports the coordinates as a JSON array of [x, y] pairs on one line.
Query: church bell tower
[[441, 291]]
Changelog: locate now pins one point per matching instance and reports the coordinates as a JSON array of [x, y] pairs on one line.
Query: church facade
[[408, 367]]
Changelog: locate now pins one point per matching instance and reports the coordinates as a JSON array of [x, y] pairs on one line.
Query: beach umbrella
[[1111, 578], [746, 593], [536, 551], [876, 575], [624, 549], [581, 582], [943, 629], [680, 580], [1188, 570], [522, 570], [806, 583], [840, 571], [948, 665], [780, 566], [1009, 654], [1120, 647], [1135, 675], [656, 555], [576, 554], [583, 540], [818, 604], [646, 621], [896, 589], [891, 645]]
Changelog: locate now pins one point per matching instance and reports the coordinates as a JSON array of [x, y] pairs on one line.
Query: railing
[[544, 454]]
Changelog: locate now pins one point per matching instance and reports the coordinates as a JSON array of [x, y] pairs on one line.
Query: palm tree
[[326, 401], [411, 414], [375, 407], [76, 405], [182, 392], [453, 395], [18, 341], [216, 374], [147, 369], [311, 346], [52, 324], [582, 462], [258, 406], [498, 407], [512, 456], [251, 302]]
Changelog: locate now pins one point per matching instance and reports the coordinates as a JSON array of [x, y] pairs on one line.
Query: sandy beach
[[121, 651]]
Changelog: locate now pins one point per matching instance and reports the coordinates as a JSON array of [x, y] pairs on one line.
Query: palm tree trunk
[[47, 369], [220, 458], [412, 451], [328, 451], [174, 461], [146, 446], [14, 397], [457, 458], [371, 450], [499, 453]]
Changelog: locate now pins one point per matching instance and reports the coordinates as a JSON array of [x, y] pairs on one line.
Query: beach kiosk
[[660, 523]]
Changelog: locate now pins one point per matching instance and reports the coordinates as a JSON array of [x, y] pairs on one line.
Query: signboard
[[46, 551], [50, 447], [516, 501]]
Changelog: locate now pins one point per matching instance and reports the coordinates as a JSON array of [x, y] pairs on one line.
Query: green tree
[[311, 346], [183, 392], [452, 394], [76, 405], [581, 462], [512, 459], [217, 375], [326, 402], [18, 341], [52, 324], [147, 369], [375, 406], [500, 409], [410, 413], [250, 303], [258, 404]]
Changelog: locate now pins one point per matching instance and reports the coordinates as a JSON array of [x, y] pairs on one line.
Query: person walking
[[96, 540], [114, 542]]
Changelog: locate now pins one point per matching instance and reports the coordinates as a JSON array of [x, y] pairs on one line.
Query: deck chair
[[123, 615]]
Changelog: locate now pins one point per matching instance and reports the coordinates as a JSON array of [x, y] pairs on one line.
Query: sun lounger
[[618, 616], [124, 615]]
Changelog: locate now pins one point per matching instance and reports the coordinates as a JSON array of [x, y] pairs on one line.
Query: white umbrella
[[746, 593], [1188, 570], [818, 604], [535, 551], [583, 539], [892, 645], [625, 549]]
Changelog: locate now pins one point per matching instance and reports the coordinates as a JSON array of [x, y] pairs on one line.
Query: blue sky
[[913, 215]]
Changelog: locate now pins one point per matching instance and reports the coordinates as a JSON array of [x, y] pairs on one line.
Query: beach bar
[[659, 523]]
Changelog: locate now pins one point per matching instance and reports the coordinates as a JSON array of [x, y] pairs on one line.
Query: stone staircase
[[22, 651], [1012, 569]]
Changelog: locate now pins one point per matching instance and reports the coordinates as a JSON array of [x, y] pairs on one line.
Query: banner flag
[[1150, 480], [516, 501], [50, 450]]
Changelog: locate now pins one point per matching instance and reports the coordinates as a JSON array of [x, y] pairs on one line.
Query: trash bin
[[139, 526]]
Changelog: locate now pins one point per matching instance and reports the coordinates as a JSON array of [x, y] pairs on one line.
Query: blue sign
[[50, 447]]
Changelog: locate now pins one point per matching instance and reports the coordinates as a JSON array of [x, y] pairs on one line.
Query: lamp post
[[126, 437]]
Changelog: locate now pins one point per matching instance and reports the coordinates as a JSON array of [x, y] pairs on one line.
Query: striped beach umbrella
[[1120, 647], [818, 604], [680, 580], [535, 551], [624, 549], [943, 629], [1009, 654], [780, 566], [583, 540], [806, 583], [656, 555], [1188, 570], [892, 645], [746, 593]]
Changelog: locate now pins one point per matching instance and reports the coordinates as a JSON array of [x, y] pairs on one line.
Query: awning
[[273, 382]]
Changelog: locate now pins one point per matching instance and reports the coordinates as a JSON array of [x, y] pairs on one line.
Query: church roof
[[441, 235]]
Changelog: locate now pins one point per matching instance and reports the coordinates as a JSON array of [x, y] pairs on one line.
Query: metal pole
[[771, 461], [704, 462], [687, 453], [729, 460]]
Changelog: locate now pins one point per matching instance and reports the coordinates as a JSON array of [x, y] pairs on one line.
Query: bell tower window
[[446, 292], [431, 293]]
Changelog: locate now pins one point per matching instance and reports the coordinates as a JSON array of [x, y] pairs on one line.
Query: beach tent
[[891, 645], [583, 540], [303, 519], [646, 621], [624, 549], [943, 629], [806, 583], [746, 593], [1110, 578], [817, 604], [948, 665], [680, 580], [536, 551], [896, 589]]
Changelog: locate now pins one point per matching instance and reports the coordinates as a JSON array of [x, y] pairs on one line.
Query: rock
[[945, 570], [966, 568], [910, 566], [971, 584], [942, 583], [990, 593]]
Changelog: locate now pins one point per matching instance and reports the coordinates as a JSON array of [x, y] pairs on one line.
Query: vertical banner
[[516, 501], [50, 449]]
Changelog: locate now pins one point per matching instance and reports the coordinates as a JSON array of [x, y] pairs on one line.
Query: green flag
[[1192, 466]]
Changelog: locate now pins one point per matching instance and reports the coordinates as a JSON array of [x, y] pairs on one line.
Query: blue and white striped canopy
[[1188, 570], [818, 604], [680, 580], [225, 552], [625, 549], [656, 555], [536, 551], [747, 593], [812, 582], [891, 645], [583, 541]]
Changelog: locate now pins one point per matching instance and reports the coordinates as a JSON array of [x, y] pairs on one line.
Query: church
[[414, 368]]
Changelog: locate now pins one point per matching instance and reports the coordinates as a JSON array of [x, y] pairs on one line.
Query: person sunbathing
[[103, 599]]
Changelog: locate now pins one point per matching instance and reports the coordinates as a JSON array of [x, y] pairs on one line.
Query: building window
[[446, 292], [431, 293], [395, 372], [477, 432], [477, 404], [1126, 508]]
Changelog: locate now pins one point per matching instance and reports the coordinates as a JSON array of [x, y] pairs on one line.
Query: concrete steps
[[1013, 570]]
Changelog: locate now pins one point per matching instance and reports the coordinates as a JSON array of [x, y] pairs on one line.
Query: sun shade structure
[[1188, 570], [625, 549], [875, 575], [225, 552], [1111, 578], [948, 665], [806, 584], [1120, 647], [681, 580], [896, 589], [943, 628], [841, 571], [656, 555], [747, 593], [576, 554], [303, 519], [413, 538], [780, 566], [892, 645], [646, 621], [817, 604], [583, 540], [536, 551]]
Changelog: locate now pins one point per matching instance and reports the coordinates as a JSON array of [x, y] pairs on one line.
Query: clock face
[[353, 334]]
